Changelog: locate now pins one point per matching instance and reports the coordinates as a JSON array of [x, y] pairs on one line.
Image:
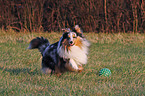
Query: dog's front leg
[[71, 65]]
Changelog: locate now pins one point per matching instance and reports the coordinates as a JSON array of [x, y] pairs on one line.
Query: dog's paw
[[80, 69], [46, 71], [58, 74]]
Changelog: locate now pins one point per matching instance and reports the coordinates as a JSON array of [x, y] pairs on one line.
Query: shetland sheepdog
[[68, 54]]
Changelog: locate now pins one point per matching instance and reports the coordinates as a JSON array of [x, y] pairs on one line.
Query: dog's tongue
[[71, 44]]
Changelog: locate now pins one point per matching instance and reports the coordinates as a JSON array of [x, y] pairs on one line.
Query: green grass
[[123, 54]]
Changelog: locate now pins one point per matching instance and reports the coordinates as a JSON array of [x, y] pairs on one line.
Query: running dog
[[68, 54]]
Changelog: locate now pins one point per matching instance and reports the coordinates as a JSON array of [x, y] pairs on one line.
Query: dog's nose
[[71, 42]]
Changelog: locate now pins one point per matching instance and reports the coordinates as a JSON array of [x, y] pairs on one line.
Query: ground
[[122, 53]]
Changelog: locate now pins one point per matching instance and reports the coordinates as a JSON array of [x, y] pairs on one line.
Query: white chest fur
[[77, 55]]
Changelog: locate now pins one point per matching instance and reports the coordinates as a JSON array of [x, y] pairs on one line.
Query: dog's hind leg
[[57, 71], [46, 70]]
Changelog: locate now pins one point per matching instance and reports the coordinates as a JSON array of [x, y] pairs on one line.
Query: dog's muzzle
[[71, 43]]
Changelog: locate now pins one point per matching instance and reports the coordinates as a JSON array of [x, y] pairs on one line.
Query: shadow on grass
[[17, 71]]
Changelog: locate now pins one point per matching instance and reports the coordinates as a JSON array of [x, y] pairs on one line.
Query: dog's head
[[71, 36]]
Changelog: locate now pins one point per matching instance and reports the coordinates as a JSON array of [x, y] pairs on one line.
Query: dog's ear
[[78, 29], [66, 30]]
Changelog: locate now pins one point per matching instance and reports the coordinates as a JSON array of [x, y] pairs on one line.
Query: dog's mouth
[[71, 43]]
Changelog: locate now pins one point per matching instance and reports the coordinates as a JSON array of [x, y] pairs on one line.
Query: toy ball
[[105, 72]]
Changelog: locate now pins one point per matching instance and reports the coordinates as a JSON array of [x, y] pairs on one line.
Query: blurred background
[[106, 16]]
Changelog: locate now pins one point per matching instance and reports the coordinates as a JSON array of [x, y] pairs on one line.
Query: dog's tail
[[39, 43]]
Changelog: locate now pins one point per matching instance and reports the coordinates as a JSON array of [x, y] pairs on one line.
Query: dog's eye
[[69, 36], [74, 36]]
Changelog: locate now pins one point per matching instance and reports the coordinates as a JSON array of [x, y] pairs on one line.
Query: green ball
[[105, 72]]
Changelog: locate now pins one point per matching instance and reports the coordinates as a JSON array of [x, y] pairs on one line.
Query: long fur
[[77, 53], [68, 54], [39, 43]]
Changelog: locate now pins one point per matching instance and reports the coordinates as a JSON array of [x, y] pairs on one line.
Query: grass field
[[123, 54]]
